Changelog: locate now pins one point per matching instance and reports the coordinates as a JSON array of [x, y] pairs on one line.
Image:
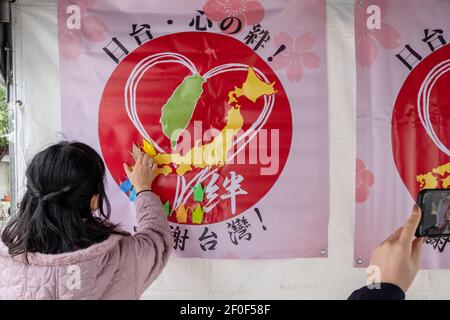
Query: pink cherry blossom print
[[364, 181], [249, 12], [92, 29], [297, 55], [367, 40]]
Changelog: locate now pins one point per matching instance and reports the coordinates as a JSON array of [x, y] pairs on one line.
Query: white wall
[[332, 278]]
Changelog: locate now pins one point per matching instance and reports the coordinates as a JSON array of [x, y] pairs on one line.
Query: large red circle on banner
[[206, 51], [419, 145]]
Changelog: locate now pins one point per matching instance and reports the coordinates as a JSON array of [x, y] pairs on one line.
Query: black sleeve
[[387, 291]]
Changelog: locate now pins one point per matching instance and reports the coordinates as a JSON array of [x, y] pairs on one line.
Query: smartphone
[[435, 206]]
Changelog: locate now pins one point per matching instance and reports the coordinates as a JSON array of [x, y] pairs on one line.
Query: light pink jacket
[[118, 268]]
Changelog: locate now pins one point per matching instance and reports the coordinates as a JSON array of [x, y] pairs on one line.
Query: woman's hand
[[143, 173], [398, 257]]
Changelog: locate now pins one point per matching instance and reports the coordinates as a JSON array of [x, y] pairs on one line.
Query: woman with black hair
[[61, 244]]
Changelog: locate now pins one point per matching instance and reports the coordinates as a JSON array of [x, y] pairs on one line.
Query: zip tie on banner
[[18, 103]]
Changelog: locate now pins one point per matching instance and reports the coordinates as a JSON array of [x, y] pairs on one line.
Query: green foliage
[[3, 118]]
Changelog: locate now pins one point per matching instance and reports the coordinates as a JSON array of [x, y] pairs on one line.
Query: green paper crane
[[166, 208], [199, 193], [197, 214]]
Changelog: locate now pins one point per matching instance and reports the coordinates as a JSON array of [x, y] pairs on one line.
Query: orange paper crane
[[181, 214]]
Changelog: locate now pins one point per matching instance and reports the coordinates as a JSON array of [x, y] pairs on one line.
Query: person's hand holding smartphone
[[398, 257]]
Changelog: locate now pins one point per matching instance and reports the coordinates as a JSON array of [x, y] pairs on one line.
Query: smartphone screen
[[435, 206]]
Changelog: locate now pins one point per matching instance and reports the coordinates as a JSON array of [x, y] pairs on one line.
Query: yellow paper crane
[[197, 214], [149, 148]]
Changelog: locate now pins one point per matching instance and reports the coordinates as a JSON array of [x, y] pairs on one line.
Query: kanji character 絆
[[258, 37], [233, 185]]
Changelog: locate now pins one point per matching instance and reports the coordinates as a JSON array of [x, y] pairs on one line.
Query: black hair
[[55, 214]]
